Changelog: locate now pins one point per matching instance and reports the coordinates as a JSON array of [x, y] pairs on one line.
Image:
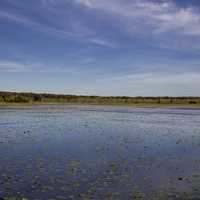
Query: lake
[[97, 152]]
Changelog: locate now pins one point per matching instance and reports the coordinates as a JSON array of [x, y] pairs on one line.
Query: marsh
[[99, 152]]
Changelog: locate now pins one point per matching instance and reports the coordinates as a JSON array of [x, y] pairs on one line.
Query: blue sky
[[101, 47]]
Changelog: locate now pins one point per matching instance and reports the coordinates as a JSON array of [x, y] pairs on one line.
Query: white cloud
[[158, 17], [9, 66], [102, 42], [27, 21], [141, 17], [59, 24], [74, 70], [15, 66], [98, 83], [151, 84], [163, 78]]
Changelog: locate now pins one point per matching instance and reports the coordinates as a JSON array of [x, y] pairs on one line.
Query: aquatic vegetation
[[113, 167], [74, 166]]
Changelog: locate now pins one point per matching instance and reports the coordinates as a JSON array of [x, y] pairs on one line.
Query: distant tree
[[4, 98], [192, 102], [37, 98], [20, 99]]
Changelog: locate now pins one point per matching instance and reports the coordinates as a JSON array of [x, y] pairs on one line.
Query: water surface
[[96, 152]]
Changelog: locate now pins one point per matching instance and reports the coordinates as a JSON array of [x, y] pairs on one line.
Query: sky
[[101, 47]]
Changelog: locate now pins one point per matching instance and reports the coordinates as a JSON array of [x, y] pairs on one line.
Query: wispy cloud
[[158, 16], [17, 66], [152, 84], [9, 66], [45, 68], [71, 19], [161, 77], [29, 22], [55, 19], [102, 42], [97, 83]]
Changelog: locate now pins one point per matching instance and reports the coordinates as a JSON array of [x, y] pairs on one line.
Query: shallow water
[[96, 152]]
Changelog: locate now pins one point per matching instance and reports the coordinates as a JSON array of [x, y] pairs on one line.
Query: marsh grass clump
[[74, 167], [113, 167], [138, 194]]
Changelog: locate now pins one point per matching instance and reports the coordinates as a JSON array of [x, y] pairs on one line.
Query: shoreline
[[132, 105]]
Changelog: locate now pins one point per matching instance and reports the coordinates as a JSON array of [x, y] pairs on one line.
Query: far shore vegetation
[[7, 98]]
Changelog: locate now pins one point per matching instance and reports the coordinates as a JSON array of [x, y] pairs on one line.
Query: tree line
[[14, 97]]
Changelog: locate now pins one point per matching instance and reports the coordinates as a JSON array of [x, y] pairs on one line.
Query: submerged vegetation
[[13, 97]]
